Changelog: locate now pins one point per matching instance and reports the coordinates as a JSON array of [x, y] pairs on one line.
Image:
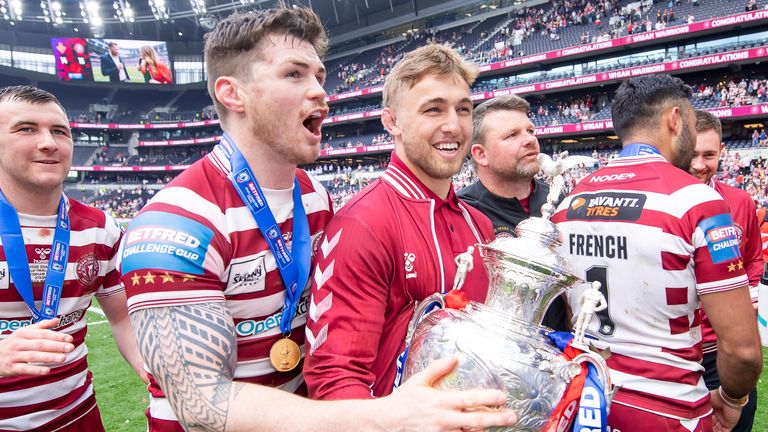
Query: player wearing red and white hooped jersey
[[651, 223], [50, 402], [706, 160], [235, 266], [45, 384], [660, 242]]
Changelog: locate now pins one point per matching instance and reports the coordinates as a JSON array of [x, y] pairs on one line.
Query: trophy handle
[[602, 370], [423, 308]]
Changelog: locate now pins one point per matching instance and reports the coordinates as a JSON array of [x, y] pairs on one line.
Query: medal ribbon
[[293, 264], [583, 406], [18, 262], [638, 149]]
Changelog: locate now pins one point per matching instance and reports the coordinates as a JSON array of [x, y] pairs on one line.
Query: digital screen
[[130, 61], [72, 59]]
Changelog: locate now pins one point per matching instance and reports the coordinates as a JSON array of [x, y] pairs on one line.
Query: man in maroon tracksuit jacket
[[709, 146], [394, 244]]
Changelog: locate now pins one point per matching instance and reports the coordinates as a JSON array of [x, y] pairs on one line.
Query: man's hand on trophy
[[423, 408]]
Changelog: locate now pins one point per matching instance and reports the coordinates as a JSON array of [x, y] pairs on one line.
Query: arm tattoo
[[191, 351]]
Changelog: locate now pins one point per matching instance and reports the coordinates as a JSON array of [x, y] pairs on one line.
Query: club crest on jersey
[[622, 206], [87, 269], [316, 241], [722, 238], [503, 232], [739, 232]]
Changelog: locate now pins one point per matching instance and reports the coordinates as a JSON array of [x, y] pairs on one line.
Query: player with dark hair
[[56, 253], [662, 244], [217, 263]]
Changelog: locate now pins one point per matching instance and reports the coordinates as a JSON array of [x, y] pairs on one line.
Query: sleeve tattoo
[[191, 351]]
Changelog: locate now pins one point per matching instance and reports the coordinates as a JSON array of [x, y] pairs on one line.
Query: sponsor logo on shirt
[[722, 238], [13, 325], [70, 318], [165, 241], [622, 206], [253, 327], [611, 177], [5, 276], [42, 252], [248, 274]]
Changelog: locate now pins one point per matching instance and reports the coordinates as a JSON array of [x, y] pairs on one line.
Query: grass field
[[122, 397]]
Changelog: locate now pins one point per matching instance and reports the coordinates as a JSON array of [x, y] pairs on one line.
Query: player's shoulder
[[730, 193], [83, 216]]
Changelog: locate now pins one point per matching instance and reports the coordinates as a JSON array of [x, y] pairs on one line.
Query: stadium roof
[[188, 20]]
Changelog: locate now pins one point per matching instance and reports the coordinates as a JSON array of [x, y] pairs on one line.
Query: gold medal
[[284, 355]]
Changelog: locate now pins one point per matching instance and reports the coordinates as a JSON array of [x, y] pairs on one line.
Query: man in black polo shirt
[[504, 151]]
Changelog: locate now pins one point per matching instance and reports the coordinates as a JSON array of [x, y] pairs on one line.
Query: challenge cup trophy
[[500, 344]]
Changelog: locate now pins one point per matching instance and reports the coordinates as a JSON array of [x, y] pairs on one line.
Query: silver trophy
[[500, 344]]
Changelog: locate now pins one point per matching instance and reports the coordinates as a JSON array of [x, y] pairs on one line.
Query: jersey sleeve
[[171, 258], [349, 290], [718, 264], [753, 249], [111, 284]]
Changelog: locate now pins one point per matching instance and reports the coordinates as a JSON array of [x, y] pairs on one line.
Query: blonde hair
[[151, 53], [433, 59]]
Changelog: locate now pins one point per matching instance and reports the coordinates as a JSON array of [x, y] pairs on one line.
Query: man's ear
[[227, 92], [478, 153], [389, 120]]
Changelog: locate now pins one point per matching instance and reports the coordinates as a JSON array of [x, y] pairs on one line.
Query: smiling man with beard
[[394, 244], [662, 245], [504, 152]]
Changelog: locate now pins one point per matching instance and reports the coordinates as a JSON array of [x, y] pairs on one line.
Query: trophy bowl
[[495, 353], [501, 344]]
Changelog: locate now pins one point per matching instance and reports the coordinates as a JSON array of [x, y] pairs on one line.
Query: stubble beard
[[684, 149], [429, 164], [268, 130], [519, 171]]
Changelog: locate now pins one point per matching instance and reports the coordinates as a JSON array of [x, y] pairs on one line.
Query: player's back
[[637, 226]]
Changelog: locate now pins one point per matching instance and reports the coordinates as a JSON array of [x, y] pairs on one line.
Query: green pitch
[[122, 397]]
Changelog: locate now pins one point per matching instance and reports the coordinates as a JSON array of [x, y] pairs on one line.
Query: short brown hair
[[501, 103], [29, 94], [705, 121], [235, 43], [433, 59]]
